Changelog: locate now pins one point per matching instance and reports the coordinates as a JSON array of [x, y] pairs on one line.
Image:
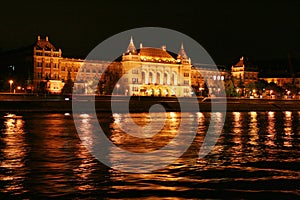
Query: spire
[[181, 53], [131, 48]]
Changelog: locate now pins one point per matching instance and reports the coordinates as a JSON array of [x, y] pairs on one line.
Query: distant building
[[210, 77], [243, 73]]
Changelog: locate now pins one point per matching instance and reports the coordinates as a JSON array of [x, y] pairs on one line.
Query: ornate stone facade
[[152, 71], [146, 71]]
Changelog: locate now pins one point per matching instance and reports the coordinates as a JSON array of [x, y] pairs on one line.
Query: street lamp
[[118, 85], [10, 85]]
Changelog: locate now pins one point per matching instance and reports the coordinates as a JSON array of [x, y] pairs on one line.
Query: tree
[[205, 92], [43, 87], [68, 87], [229, 88], [291, 87], [261, 85], [277, 89]]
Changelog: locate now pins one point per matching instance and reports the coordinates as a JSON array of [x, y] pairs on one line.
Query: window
[[55, 65], [186, 74], [134, 80], [135, 89], [39, 64], [186, 82], [135, 71], [47, 65]]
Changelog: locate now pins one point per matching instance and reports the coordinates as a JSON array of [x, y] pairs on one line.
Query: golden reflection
[[52, 150], [271, 129], [121, 136], [287, 139], [127, 145], [86, 130], [253, 129], [235, 151], [173, 116], [85, 169], [13, 154], [216, 151], [237, 126], [200, 116]]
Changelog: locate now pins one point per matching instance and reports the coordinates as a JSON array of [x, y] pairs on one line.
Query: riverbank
[[34, 103]]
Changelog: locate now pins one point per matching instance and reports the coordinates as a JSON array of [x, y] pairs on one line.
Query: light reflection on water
[[12, 156], [257, 153]]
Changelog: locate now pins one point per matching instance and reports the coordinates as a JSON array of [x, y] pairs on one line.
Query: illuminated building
[[243, 73], [152, 71], [48, 64], [146, 71]]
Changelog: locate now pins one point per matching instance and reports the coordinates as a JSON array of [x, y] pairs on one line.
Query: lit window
[[134, 80], [186, 74]]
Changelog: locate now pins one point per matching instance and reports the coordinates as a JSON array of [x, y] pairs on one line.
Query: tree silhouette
[[68, 87]]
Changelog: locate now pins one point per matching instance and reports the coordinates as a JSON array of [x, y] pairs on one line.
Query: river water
[[256, 155]]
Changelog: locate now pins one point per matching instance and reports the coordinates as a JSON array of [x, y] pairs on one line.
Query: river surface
[[256, 156]]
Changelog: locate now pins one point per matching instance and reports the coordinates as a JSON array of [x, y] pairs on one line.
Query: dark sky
[[261, 30]]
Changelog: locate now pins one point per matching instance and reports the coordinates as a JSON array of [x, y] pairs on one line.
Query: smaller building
[[244, 73], [55, 86]]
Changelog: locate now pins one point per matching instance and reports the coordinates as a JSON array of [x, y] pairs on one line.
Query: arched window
[[150, 77], [158, 78], [143, 77], [174, 79], [165, 78]]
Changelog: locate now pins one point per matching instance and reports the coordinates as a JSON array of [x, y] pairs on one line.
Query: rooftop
[[44, 44]]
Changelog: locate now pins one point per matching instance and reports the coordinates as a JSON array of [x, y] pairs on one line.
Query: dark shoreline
[[33, 103]]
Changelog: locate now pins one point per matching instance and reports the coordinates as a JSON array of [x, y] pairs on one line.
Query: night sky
[[261, 30]]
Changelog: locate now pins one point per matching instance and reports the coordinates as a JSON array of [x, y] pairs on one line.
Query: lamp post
[[10, 85]]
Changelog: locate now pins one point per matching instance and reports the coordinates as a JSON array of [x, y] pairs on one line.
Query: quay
[[63, 103]]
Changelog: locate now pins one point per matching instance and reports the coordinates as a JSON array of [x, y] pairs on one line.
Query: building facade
[[143, 71], [146, 71], [243, 73], [152, 71]]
